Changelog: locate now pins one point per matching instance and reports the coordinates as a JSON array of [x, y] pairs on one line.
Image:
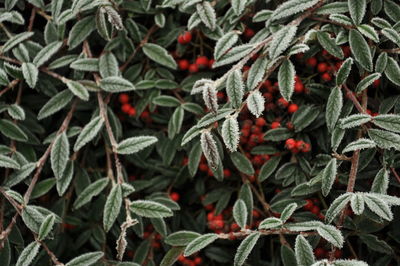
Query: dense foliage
[[196, 132]]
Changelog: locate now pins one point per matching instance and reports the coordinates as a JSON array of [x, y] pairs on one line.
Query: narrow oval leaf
[[80, 31], [28, 254], [271, 222], [357, 10], [359, 144], [367, 81], [385, 139], [242, 163], [230, 133], [360, 49], [181, 238], [199, 243], [304, 252], [331, 234], [46, 53], [225, 43], [108, 65], [209, 147], [55, 104], [256, 103], [288, 211], [329, 44], [378, 206], [207, 14], [15, 40], [381, 182], [235, 88], [89, 132], [150, 209], [116, 84], [12, 131], [159, 54], [357, 203], [59, 154], [90, 191], [392, 71], [256, 72], [344, 71], [86, 259], [245, 248], [329, 176], [112, 207], [240, 213], [333, 108], [282, 40], [337, 206], [46, 226], [135, 144], [286, 76], [30, 73], [354, 120]]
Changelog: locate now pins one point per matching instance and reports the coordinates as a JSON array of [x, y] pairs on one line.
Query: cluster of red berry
[[126, 107], [322, 253], [296, 146], [313, 207]]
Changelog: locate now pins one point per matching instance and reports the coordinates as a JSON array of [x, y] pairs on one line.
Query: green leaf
[[360, 49], [303, 117], [89, 132], [381, 182], [344, 72], [378, 206], [86, 259], [116, 84], [112, 207], [329, 44], [235, 88], [86, 64], [288, 256], [150, 209], [369, 32], [240, 213], [388, 121], [238, 6], [108, 65], [268, 168], [18, 176], [230, 133], [381, 62], [90, 191], [392, 71], [46, 53], [32, 218], [367, 81], [385, 139], [15, 40], [375, 244], [181, 238], [304, 252], [291, 7], [78, 90], [12, 131], [354, 120], [225, 43], [207, 14], [171, 256], [392, 35], [333, 108], [166, 101], [7, 162], [55, 104], [331, 234], [256, 72], [46, 226], [59, 154], [357, 10], [16, 112], [359, 144], [242, 163], [65, 179], [357, 203], [245, 248], [337, 206], [328, 176], [80, 31], [30, 73], [271, 222], [28, 254], [234, 54], [286, 76], [278, 134], [288, 211], [282, 40], [199, 243], [392, 10], [159, 55], [175, 122], [256, 103], [135, 144]]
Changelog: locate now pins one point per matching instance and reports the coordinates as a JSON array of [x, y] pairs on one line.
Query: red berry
[[183, 64], [338, 253], [193, 68], [227, 173], [126, 107], [312, 61], [293, 108], [376, 83], [315, 210], [290, 143], [248, 33], [123, 98], [261, 122], [181, 39], [202, 61], [326, 76], [203, 167], [320, 253], [174, 196], [306, 147], [198, 260], [256, 214], [309, 205], [299, 87], [275, 124], [322, 67], [290, 125], [132, 111], [185, 37], [300, 144], [282, 102]]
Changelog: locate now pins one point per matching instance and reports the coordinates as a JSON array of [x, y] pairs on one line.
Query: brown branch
[[32, 19], [11, 85]]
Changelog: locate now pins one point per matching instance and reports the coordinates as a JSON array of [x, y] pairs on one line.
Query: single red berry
[[181, 258], [261, 122], [312, 61], [300, 144], [290, 125], [174, 196], [198, 260], [275, 124], [256, 214], [298, 87], [376, 83], [183, 64], [326, 77], [282, 102], [209, 207], [315, 210], [123, 98], [248, 33], [320, 253], [338, 253], [227, 173], [181, 39], [126, 107], [245, 132], [193, 68], [293, 108], [306, 147], [202, 61], [290, 144], [145, 115], [185, 37], [132, 111], [245, 68], [203, 167], [322, 67], [266, 84]]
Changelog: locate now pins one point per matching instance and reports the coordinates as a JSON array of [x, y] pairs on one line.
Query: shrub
[[199, 132]]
